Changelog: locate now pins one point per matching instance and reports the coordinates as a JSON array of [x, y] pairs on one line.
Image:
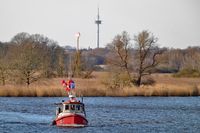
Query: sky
[[176, 23]]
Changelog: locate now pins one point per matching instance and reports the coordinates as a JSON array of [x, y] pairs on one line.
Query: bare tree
[[88, 64], [120, 52], [176, 59], [60, 65], [146, 54], [51, 56], [26, 58], [4, 68], [192, 58], [4, 65], [119, 61], [76, 66]]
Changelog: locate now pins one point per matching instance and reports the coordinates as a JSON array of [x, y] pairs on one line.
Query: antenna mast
[[98, 22]]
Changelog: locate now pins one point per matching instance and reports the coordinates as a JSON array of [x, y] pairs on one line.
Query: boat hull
[[71, 120]]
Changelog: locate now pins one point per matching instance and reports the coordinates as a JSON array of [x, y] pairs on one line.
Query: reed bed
[[31, 92], [166, 85]]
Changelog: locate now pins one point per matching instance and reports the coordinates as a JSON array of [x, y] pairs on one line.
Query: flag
[[71, 84]]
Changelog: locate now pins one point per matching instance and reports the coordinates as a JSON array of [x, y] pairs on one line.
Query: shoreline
[[146, 91], [165, 86]]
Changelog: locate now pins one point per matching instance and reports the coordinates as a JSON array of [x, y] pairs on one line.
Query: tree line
[[27, 58]]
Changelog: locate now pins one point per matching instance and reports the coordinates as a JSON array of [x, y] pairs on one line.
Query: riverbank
[[166, 85]]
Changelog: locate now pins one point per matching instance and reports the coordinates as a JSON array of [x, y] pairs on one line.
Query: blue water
[[105, 115]]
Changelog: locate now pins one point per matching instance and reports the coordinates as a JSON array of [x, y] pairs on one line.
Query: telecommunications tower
[[98, 22]]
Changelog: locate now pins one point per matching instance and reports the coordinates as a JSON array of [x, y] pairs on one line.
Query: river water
[[105, 115]]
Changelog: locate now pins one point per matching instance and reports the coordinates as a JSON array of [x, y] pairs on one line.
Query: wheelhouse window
[[72, 107], [78, 107], [66, 107]]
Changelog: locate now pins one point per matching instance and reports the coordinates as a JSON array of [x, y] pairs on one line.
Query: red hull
[[71, 120]]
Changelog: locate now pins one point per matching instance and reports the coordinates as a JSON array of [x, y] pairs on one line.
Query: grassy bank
[[166, 85]]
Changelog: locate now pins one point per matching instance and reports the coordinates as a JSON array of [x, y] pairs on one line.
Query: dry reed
[[166, 85]]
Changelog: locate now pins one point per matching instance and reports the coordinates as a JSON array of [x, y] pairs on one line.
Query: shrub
[[189, 73], [117, 81]]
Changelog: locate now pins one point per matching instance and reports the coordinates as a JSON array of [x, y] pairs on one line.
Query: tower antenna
[[98, 22]]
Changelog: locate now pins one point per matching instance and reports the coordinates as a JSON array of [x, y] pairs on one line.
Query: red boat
[[71, 113]]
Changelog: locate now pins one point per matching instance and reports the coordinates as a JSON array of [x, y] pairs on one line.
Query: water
[[105, 115]]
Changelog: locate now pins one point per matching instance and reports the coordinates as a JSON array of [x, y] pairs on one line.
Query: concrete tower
[[98, 22]]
